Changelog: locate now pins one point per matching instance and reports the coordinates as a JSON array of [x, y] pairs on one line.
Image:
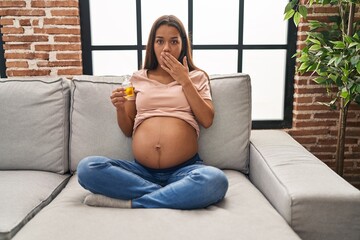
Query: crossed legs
[[189, 187]]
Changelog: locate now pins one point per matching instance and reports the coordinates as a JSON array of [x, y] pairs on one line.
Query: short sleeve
[[202, 84], [136, 80]]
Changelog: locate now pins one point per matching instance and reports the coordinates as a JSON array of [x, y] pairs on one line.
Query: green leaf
[[290, 6], [358, 67], [344, 79], [294, 2], [357, 99], [356, 36], [344, 93], [315, 47], [316, 35], [337, 61], [352, 44], [348, 39], [297, 18], [303, 11], [312, 67], [304, 58], [333, 77], [353, 89], [355, 60], [314, 24], [295, 54], [304, 66], [321, 72], [314, 41], [338, 44], [289, 14], [305, 50], [320, 80], [331, 61]]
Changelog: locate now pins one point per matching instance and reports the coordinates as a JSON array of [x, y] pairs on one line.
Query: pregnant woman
[[172, 97]]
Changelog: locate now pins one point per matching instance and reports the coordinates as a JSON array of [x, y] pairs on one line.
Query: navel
[[157, 148]]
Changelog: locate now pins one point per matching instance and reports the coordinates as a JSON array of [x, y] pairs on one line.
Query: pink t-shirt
[[157, 99]]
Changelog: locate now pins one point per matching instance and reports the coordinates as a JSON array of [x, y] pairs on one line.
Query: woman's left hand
[[179, 72]]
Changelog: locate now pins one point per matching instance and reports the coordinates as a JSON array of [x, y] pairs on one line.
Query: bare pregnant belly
[[163, 142]]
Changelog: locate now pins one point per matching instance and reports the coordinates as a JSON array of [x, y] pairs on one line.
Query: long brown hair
[[169, 20]]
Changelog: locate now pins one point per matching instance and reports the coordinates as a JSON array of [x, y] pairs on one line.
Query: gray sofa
[[277, 190]]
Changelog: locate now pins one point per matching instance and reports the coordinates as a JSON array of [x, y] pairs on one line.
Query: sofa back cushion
[[94, 129], [34, 123], [226, 143]]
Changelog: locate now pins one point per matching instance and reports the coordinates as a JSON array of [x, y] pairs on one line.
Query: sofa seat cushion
[[23, 194], [94, 129], [34, 120], [243, 214]]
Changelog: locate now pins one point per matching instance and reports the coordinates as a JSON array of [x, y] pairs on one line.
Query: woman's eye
[[174, 42], [159, 41]]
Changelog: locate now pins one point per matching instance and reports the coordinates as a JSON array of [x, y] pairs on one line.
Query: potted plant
[[332, 57]]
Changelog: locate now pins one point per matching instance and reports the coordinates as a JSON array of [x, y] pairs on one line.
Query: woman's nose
[[166, 47]]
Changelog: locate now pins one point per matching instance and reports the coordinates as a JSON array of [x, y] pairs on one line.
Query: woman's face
[[167, 39]]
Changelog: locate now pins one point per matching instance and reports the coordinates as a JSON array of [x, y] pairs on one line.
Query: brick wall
[[43, 38], [314, 125]]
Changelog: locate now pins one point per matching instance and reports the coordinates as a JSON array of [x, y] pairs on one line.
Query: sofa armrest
[[315, 201]]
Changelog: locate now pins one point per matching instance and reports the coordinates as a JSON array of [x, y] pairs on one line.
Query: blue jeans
[[190, 185]]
